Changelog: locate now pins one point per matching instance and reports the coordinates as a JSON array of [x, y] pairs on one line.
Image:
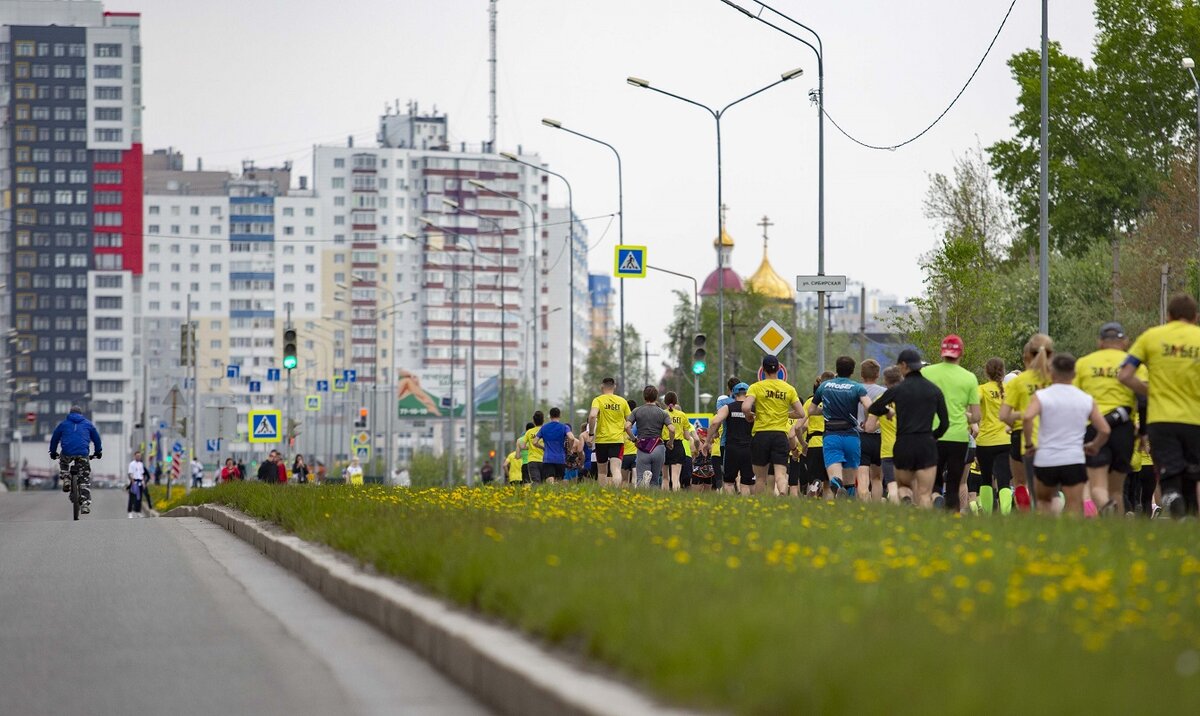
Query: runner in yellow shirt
[[1171, 354], [887, 441], [814, 434], [606, 423], [769, 403], [628, 452], [1017, 394], [991, 446], [678, 455], [512, 465], [536, 452]]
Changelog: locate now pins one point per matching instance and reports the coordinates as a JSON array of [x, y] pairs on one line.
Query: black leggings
[[993, 464], [1139, 491], [952, 458], [1185, 484]]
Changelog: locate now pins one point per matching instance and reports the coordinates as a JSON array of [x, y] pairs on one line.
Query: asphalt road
[[110, 615]]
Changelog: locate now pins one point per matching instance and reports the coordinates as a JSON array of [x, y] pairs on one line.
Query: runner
[[536, 452], [1142, 482], [1096, 374], [678, 455], [606, 422], [523, 449], [991, 446], [628, 452], [739, 468], [512, 468], [1171, 354], [838, 399], [650, 421], [797, 468], [552, 439], [917, 403], [768, 405], [961, 391], [719, 445], [870, 473], [1060, 452], [1017, 393], [887, 441], [814, 436]]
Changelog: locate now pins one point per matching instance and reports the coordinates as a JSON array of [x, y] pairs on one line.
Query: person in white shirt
[[1058, 458], [137, 483], [197, 473]]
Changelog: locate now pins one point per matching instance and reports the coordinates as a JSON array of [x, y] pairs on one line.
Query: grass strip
[[767, 606]]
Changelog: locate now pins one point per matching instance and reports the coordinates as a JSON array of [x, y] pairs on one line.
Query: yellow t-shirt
[[611, 411], [514, 467], [887, 441], [536, 454], [773, 399], [816, 424], [1017, 395], [992, 431], [1096, 375], [630, 446], [682, 428], [716, 446], [1171, 355]]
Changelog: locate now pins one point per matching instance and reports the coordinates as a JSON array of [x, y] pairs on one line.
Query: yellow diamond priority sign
[[772, 338]]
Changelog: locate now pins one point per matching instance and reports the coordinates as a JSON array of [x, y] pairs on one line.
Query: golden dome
[[725, 240], [767, 282]]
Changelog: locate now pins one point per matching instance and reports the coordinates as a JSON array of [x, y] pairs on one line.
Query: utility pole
[[174, 396], [195, 371]]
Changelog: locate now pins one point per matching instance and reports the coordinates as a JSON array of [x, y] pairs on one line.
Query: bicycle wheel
[[74, 493]]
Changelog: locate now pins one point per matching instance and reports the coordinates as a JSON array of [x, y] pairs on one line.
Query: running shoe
[[939, 502], [814, 489], [1021, 494], [1156, 512], [1174, 505], [86, 507], [1089, 509], [66, 485]]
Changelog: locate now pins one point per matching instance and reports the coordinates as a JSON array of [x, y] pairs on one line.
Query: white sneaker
[[131, 515], [646, 478]]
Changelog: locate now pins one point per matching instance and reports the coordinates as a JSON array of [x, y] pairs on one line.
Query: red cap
[[952, 346]]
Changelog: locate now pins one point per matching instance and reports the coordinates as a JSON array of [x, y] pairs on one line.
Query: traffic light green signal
[[289, 348], [699, 355]]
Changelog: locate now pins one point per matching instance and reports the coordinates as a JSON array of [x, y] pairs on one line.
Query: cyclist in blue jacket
[[75, 435]]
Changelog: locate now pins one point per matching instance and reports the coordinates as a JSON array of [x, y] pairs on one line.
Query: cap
[[770, 364], [911, 358], [1112, 329], [740, 388], [952, 346]]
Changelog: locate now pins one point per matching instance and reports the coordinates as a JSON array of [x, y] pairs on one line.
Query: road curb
[[501, 667]]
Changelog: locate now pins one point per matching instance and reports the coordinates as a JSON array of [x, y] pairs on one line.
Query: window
[[109, 302], [153, 229], [108, 365], [338, 183], [109, 344], [109, 218], [104, 156], [109, 262], [107, 92], [106, 50], [77, 92], [109, 240], [106, 135], [106, 198], [107, 72], [108, 114], [109, 281], [79, 176]]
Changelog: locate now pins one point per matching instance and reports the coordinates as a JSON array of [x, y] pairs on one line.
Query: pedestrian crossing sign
[[312, 402], [363, 453], [699, 421], [630, 262], [339, 385], [264, 426]]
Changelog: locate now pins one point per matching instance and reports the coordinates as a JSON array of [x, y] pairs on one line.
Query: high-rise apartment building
[[70, 222], [567, 307]]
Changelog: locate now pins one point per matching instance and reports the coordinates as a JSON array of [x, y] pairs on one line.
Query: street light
[[717, 114], [555, 124], [1189, 64]]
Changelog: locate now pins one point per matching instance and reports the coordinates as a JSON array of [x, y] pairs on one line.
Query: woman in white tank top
[[1058, 458]]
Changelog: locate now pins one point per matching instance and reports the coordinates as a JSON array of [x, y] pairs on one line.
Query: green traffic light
[[168, 458], [699, 367], [289, 362]]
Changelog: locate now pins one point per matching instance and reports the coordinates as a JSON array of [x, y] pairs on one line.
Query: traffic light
[[362, 418], [699, 355], [185, 344], [183, 427], [289, 348]]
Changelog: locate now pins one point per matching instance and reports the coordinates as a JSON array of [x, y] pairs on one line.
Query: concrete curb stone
[[501, 667]]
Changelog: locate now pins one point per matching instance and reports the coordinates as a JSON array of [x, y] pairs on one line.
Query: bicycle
[[78, 466]]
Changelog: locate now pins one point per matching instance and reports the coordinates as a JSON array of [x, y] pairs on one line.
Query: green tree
[[604, 361]]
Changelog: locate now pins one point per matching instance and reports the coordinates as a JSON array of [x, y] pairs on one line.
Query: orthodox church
[[765, 280]]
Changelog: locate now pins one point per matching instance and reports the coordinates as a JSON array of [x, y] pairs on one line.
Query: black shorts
[[629, 461], [525, 472], [1061, 475], [675, 455], [535, 472], [1117, 452], [607, 451], [797, 472], [870, 446], [769, 447], [738, 467], [553, 469], [816, 464], [1175, 448], [1014, 445], [915, 452]]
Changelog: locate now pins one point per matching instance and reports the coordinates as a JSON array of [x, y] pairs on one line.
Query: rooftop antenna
[[492, 64]]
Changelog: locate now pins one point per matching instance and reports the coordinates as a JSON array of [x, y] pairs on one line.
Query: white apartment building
[[562, 315]]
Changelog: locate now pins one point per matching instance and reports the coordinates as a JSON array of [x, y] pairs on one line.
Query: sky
[[267, 79]]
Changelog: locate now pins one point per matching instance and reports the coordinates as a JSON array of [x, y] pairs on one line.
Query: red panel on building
[[130, 208]]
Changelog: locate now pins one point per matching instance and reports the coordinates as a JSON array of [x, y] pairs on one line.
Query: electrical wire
[[923, 132]]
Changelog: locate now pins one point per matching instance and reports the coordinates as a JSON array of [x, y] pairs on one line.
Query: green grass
[[766, 606]]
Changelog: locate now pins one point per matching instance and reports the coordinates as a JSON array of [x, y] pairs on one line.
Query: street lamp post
[[555, 124], [696, 313], [717, 114], [1189, 64]]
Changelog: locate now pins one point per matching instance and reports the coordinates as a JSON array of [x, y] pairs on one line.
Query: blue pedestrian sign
[[213, 445], [339, 385], [350, 376], [447, 402], [233, 371], [322, 386], [256, 386], [273, 374], [629, 262], [263, 426], [177, 447]]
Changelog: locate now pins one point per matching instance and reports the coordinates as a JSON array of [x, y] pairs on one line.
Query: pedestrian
[[918, 403], [536, 451], [606, 431], [353, 473], [838, 399], [994, 482], [768, 405], [870, 471], [677, 456], [649, 421], [731, 417], [887, 441], [322, 472], [960, 388], [241, 468], [300, 470], [717, 451], [551, 438], [512, 469], [523, 450], [229, 471], [1060, 453], [137, 483], [158, 473], [267, 471], [814, 437], [197, 469], [629, 451], [1038, 352], [1171, 355], [281, 470], [485, 472]]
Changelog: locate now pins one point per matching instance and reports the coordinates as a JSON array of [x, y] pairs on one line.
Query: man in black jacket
[[268, 471], [917, 400]]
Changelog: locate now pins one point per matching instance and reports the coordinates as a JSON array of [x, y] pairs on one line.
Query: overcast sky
[[267, 79]]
